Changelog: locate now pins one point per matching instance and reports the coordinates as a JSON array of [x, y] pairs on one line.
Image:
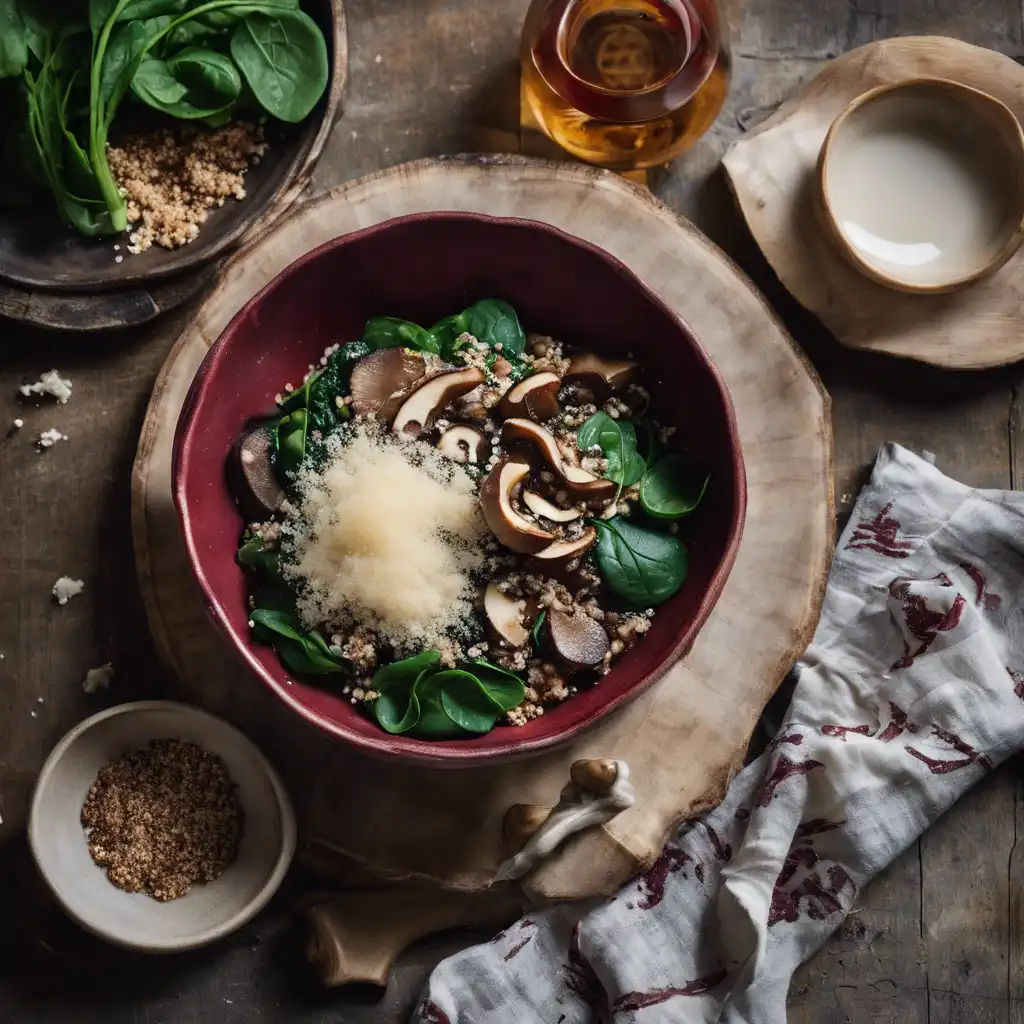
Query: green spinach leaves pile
[[643, 566], [66, 66], [419, 698]]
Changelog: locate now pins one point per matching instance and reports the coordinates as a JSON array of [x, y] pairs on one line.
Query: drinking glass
[[626, 84]]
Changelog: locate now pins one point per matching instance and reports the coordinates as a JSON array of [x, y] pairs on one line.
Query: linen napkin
[[910, 692]]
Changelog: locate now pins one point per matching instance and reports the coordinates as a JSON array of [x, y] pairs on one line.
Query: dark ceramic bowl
[[39, 253], [421, 268]]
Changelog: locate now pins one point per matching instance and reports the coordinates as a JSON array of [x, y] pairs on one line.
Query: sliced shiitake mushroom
[[506, 616], [463, 443], [252, 478], [536, 398], [429, 398], [515, 532], [563, 551], [540, 506], [378, 376], [575, 479], [579, 641], [602, 377]]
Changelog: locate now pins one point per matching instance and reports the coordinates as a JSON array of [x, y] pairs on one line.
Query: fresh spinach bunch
[[419, 698], [275, 621], [190, 59], [644, 567], [491, 321]]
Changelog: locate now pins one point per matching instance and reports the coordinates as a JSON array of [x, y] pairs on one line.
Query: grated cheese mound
[[385, 534], [50, 383]]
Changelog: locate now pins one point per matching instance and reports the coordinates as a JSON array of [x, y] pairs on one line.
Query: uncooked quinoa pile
[[162, 818], [171, 180]]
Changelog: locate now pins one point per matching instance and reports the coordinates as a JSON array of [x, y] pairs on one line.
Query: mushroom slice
[[505, 615], [563, 551], [575, 479], [598, 375], [463, 443], [542, 507], [515, 532], [578, 640], [378, 376], [536, 398], [254, 484], [423, 406]]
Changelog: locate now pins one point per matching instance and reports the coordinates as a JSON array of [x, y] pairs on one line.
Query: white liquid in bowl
[[923, 187]]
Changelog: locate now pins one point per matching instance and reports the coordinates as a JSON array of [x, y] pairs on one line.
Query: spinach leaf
[[642, 566], [195, 83], [305, 653], [254, 554], [503, 688], [388, 332], [447, 331], [13, 40], [397, 709], [669, 490], [221, 16], [465, 701], [494, 322], [617, 441], [535, 633], [405, 672], [434, 722], [290, 448], [284, 59]]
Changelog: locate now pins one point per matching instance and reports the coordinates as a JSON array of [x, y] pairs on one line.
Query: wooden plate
[[772, 173], [686, 736], [38, 254]]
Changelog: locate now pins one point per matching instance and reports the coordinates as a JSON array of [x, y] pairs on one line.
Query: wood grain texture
[[71, 515], [713, 696], [772, 172]]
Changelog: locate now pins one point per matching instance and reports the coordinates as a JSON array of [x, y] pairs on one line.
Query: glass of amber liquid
[[625, 84]]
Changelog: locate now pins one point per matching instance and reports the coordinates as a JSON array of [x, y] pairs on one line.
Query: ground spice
[[162, 818], [171, 180]]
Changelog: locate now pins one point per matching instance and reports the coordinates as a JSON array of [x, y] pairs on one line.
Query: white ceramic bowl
[[922, 184], [209, 911]]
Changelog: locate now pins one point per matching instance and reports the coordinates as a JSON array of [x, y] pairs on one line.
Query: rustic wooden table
[[937, 938]]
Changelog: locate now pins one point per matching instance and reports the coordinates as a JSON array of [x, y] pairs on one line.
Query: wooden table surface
[[937, 938]]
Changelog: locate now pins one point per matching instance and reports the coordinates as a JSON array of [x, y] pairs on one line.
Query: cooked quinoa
[[171, 180]]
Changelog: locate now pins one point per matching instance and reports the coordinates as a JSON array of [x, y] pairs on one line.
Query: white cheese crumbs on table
[[65, 588], [48, 438], [50, 383], [98, 678]]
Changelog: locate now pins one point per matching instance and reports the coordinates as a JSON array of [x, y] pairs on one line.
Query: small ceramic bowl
[[922, 184], [209, 911]]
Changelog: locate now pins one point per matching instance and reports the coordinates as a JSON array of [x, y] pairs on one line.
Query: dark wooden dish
[[53, 274], [560, 285]]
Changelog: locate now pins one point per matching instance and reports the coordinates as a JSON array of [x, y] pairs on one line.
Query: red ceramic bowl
[[421, 268]]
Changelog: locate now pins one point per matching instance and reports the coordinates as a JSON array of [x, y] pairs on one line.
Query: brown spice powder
[[162, 818]]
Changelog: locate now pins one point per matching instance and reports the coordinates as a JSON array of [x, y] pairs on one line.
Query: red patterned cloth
[[911, 691]]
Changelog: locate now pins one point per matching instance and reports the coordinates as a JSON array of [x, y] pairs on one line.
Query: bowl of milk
[[922, 184]]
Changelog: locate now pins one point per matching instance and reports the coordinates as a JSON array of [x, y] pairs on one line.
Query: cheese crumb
[[386, 535], [19, 423], [97, 678], [48, 438], [66, 588], [50, 383]]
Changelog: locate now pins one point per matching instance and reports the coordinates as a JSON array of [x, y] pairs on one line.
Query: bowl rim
[[283, 804], [935, 85], [448, 753]]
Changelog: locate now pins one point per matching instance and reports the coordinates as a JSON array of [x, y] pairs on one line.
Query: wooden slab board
[[772, 173], [683, 739]]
